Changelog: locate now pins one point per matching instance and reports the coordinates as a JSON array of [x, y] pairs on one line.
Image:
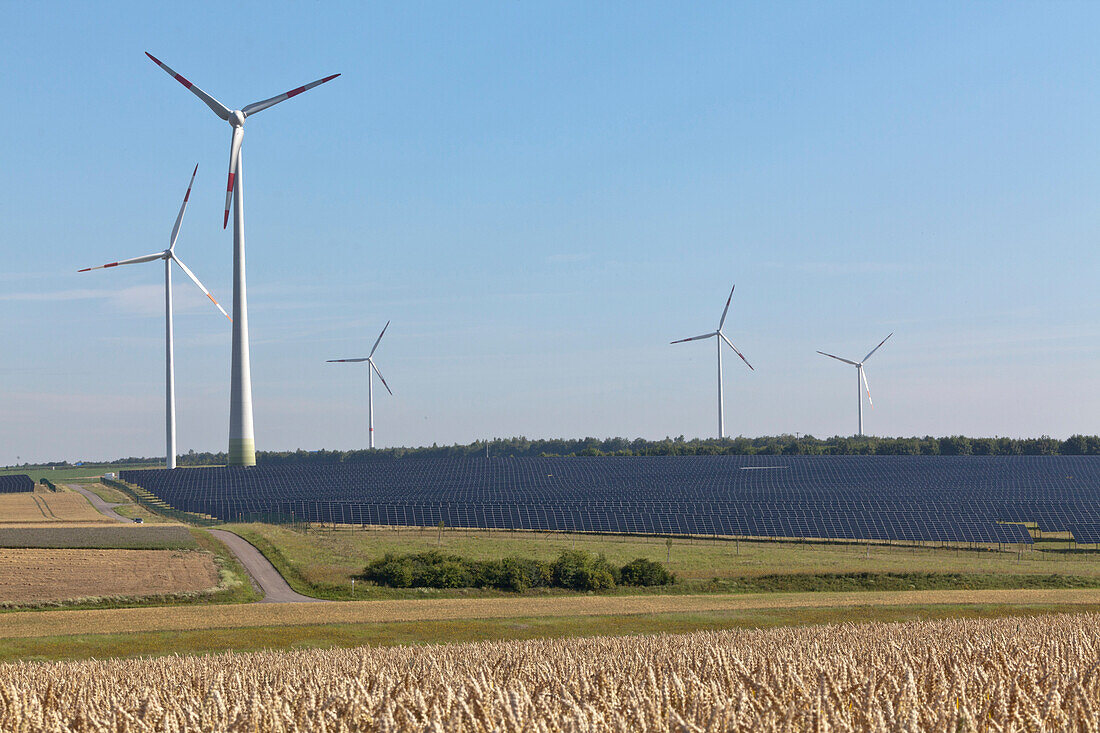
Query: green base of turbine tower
[[242, 452]]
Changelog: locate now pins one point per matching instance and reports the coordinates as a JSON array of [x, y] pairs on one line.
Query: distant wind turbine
[[371, 366], [242, 442], [169, 256], [861, 377], [719, 338]]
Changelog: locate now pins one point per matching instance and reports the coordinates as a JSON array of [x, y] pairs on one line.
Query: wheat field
[[1018, 674]]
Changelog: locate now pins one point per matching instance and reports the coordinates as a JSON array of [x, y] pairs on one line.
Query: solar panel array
[[16, 483], [906, 498]]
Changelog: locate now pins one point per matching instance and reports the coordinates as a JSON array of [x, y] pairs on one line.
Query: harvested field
[[135, 620], [113, 536], [28, 576], [48, 508], [956, 675]]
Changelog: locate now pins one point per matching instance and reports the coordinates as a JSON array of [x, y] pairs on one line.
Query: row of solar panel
[[16, 483], [703, 477], [887, 526], [875, 497]]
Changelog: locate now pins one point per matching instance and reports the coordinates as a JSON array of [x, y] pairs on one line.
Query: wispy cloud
[[847, 268], [25, 276], [75, 294], [568, 258], [142, 300]]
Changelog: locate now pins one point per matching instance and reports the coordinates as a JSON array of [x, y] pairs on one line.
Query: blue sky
[[540, 197]]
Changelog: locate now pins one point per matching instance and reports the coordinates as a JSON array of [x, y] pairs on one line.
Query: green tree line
[[773, 445]]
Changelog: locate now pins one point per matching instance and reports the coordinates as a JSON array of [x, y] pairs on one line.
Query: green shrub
[[447, 573], [645, 572], [434, 569], [580, 570], [520, 573], [576, 570], [390, 570]]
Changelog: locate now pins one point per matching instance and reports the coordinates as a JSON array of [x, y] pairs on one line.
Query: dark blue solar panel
[[1085, 532], [910, 498], [16, 483]]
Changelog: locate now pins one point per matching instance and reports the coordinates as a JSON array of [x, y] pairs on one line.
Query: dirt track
[[50, 623]]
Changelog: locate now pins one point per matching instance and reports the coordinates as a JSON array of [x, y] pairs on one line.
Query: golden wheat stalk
[[1040, 673]]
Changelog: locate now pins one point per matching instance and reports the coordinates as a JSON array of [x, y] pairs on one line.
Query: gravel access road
[[101, 506], [272, 585]]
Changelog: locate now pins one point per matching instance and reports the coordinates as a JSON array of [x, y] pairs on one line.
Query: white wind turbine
[[370, 379], [242, 442], [169, 256], [860, 377], [719, 338]]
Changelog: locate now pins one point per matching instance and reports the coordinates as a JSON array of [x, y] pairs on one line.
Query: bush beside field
[[573, 570]]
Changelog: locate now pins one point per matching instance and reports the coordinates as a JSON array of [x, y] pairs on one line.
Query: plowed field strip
[[29, 575], [55, 623]]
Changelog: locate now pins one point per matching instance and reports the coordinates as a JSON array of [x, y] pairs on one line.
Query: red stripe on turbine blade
[[86, 269], [186, 196], [113, 264], [329, 78], [229, 185], [155, 59], [183, 81], [295, 92]]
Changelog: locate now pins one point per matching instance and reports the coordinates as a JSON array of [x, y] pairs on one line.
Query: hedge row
[[575, 570]]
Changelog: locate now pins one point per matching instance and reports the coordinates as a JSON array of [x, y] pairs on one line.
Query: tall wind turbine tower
[[169, 256], [719, 337], [861, 378], [372, 369], [242, 442]]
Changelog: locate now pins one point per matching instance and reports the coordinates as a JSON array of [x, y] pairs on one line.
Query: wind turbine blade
[[880, 343], [202, 287], [219, 109], [375, 368], [846, 361], [334, 361], [379, 339], [723, 336], [696, 338], [260, 106], [183, 208], [134, 261], [234, 156], [726, 309], [866, 387]]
